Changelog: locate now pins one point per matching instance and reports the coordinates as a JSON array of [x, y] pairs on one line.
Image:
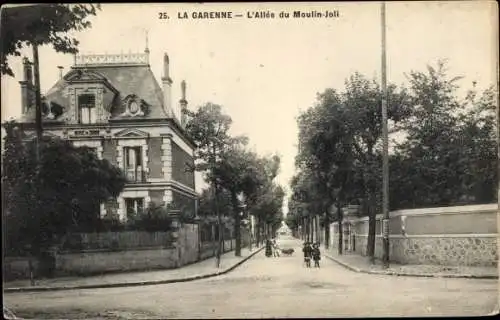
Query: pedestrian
[[269, 248], [316, 253], [276, 248], [307, 254]]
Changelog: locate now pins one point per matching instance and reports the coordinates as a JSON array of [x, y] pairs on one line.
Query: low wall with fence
[[459, 235], [123, 240], [209, 249], [97, 253]]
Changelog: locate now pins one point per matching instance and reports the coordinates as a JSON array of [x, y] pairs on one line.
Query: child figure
[[316, 253], [276, 248]]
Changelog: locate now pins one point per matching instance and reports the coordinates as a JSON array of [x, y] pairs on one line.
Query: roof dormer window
[[87, 109], [134, 107]]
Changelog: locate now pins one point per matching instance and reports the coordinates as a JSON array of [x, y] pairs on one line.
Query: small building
[[113, 104]]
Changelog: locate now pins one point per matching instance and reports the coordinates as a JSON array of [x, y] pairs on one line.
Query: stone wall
[[17, 268], [187, 244], [207, 250], [462, 235], [88, 263]]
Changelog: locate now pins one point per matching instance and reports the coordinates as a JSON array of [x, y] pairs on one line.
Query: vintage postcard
[[250, 160]]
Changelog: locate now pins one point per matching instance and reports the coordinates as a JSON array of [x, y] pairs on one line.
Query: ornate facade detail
[[102, 115], [84, 75], [133, 143], [134, 106], [123, 58], [132, 133]]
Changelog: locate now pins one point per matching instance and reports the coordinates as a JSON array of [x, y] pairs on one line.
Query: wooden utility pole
[[385, 138], [39, 134], [216, 202]]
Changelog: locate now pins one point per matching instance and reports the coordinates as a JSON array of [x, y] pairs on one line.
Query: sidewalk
[[358, 263], [195, 271]]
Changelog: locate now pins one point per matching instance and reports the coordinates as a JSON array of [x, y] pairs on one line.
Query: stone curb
[[134, 284], [404, 274]]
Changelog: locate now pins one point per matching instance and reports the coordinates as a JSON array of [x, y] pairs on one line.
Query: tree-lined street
[[92, 177], [271, 287]]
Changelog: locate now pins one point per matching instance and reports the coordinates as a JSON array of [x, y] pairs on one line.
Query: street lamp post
[[385, 138]]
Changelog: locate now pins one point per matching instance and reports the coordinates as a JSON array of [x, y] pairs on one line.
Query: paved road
[[271, 287]]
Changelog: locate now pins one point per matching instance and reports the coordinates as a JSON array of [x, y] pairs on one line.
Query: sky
[[265, 71]]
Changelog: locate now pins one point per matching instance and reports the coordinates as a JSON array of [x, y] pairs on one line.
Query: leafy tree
[[292, 221], [60, 193], [266, 202], [209, 128], [362, 99], [449, 155], [237, 172], [42, 24], [339, 141], [326, 150]]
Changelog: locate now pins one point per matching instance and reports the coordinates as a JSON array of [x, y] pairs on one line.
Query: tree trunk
[[372, 223], [302, 229], [341, 229], [306, 229], [370, 244], [237, 236], [214, 239], [311, 230], [219, 223], [237, 224], [257, 233], [318, 230], [327, 229]]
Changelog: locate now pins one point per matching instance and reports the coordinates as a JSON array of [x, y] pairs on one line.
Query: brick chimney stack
[[27, 87], [183, 102], [60, 71]]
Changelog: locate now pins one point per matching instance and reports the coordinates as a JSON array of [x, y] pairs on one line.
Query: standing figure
[[307, 254], [276, 248], [316, 253], [269, 248]]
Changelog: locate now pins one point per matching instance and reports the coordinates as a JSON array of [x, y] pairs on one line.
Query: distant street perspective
[[168, 161]]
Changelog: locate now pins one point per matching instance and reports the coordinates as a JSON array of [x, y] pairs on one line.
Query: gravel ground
[[270, 287]]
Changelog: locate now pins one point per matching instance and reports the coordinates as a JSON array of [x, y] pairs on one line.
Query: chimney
[[183, 103], [146, 51], [27, 88], [167, 86], [60, 71]]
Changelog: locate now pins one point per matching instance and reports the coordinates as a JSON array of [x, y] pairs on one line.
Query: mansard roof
[[124, 80]]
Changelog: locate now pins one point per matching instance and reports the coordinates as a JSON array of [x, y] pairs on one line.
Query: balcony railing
[[135, 175]]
